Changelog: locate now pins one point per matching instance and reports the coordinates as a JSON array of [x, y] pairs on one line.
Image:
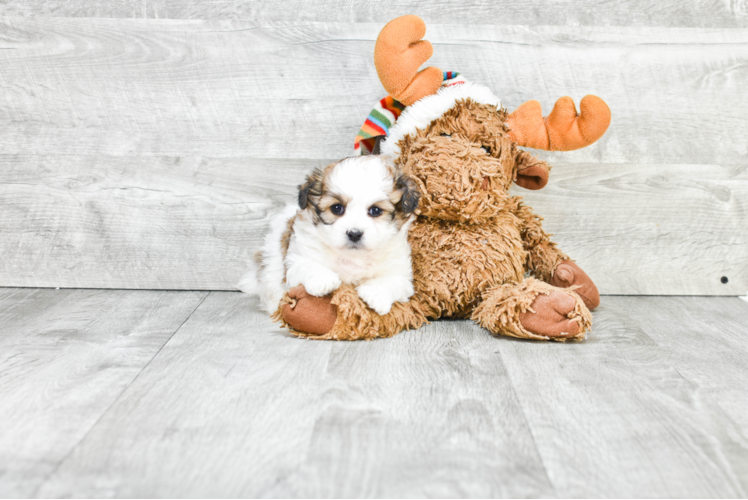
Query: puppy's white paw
[[322, 283], [377, 297], [403, 292]]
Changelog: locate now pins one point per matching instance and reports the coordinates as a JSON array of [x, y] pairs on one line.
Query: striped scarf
[[384, 115]]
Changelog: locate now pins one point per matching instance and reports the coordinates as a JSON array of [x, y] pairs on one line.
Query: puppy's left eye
[[486, 149], [374, 211], [337, 209]]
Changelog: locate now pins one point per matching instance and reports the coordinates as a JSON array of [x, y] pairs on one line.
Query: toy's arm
[[550, 264], [344, 316], [543, 254], [544, 259]]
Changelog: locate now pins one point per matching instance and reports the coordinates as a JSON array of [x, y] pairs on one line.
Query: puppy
[[350, 227]]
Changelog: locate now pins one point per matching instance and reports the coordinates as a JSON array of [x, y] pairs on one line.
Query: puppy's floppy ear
[[409, 194], [311, 188]]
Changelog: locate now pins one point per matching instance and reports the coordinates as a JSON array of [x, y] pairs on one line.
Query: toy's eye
[[337, 209], [486, 149], [374, 211]]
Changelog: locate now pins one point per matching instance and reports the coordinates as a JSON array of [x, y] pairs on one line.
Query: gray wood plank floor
[[150, 393], [65, 357]]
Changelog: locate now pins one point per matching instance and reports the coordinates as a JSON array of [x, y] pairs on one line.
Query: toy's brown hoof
[[550, 318], [310, 314], [569, 274]]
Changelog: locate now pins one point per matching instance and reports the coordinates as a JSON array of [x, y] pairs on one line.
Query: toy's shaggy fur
[[420, 114], [472, 243]]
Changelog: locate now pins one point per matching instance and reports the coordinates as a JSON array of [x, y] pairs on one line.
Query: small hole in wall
[[724, 279]]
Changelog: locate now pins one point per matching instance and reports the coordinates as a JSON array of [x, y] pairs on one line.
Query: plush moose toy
[[473, 244]]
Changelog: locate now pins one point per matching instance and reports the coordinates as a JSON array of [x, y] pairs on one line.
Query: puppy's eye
[[337, 209], [375, 211], [486, 149], [446, 135]]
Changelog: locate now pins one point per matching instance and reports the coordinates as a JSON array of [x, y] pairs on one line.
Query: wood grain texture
[[194, 223], [135, 222], [65, 357], [235, 396], [629, 413], [136, 153], [231, 406], [233, 89], [245, 410], [696, 13], [651, 229], [716, 368], [432, 414]]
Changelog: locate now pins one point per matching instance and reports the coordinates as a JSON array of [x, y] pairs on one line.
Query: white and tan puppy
[[350, 227]]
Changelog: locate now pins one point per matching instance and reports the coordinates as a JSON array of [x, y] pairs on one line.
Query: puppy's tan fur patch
[[286, 238]]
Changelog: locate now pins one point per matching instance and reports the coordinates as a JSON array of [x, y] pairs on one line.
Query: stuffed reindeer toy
[[478, 252]]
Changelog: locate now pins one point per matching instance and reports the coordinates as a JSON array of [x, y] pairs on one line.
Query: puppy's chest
[[354, 270]]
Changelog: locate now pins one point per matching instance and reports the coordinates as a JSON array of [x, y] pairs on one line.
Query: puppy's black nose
[[354, 235]]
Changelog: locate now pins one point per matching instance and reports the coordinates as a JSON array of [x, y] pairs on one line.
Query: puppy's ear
[[312, 188], [409, 194]]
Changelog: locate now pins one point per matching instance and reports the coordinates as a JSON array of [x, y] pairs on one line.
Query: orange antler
[[398, 54], [563, 129]]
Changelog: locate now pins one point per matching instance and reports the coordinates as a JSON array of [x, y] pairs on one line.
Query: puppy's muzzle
[[354, 235]]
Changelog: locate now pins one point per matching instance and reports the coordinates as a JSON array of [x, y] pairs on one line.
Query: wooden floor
[[112, 393]]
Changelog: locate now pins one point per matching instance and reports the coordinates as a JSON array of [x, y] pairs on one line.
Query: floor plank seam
[[35, 494], [527, 423]]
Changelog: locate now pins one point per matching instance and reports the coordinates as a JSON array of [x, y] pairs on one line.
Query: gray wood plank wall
[[693, 13], [145, 144]]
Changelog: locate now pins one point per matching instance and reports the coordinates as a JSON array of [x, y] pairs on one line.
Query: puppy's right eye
[[337, 209], [374, 211]]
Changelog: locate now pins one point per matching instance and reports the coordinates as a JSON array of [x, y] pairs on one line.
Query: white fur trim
[[419, 114]]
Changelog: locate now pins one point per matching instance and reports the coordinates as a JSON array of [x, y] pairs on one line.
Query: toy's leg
[[344, 316], [533, 309]]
